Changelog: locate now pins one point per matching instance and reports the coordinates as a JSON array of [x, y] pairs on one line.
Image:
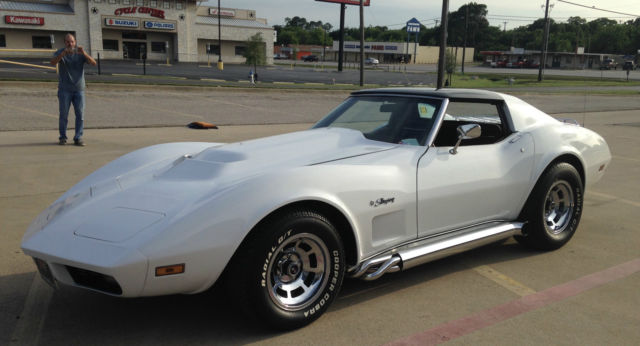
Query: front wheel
[[554, 208], [290, 270]]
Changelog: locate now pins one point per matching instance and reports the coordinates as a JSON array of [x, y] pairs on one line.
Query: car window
[[485, 114], [473, 111], [388, 119]]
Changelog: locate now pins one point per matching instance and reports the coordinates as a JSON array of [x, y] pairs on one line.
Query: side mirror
[[468, 131]]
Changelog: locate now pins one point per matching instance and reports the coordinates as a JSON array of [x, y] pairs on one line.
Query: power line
[[598, 9]]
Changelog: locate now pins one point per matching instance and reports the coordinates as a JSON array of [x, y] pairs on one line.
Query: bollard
[[144, 65], [98, 63]]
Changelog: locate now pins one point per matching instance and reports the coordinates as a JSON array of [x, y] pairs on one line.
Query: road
[[286, 72], [585, 293]]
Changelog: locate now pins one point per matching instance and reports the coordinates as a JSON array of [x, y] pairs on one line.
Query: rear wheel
[[554, 208], [290, 269]]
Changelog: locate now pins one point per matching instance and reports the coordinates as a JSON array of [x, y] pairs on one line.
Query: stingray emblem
[[382, 201]]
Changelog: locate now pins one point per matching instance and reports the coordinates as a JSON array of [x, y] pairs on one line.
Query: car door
[[486, 180]]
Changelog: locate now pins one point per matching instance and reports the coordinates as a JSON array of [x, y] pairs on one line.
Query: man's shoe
[[62, 141], [78, 142]]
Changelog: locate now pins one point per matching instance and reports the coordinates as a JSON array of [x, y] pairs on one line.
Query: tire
[[553, 209], [289, 270]]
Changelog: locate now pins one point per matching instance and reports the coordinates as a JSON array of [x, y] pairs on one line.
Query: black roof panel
[[473, 94]]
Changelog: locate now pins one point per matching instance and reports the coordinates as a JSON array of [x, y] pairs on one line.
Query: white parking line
[[28, 110], [616, 198], [34, 313], [504, 281], [625, 158]]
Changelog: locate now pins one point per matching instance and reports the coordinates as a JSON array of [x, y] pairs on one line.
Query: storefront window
[[240, 50], [3, 42], [41, 42], [158, 47], [213, 49], [110, 45]]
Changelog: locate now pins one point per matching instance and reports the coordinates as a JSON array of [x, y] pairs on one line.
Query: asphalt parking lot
[[584, 293]]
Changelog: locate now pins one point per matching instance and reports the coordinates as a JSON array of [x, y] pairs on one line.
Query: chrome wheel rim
[[558, 207], [298, 271]]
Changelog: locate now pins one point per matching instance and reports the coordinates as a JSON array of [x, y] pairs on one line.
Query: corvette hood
[[116, 209], [236, 160]]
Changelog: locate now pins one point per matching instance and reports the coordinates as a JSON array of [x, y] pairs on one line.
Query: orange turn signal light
[[170, 270]]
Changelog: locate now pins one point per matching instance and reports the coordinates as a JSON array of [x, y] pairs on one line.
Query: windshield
[[403, 120]]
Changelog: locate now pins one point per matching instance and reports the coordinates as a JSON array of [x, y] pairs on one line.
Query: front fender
[[218, 224]]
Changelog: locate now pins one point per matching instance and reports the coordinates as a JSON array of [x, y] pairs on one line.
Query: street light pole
[[361, 43], [343, 7]]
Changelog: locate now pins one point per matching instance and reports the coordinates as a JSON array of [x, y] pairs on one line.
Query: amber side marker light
[[170, 270]]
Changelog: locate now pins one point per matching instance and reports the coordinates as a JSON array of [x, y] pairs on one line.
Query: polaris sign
[[159, 25]]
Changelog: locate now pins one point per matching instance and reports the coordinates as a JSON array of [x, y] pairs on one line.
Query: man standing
[[71, 86]]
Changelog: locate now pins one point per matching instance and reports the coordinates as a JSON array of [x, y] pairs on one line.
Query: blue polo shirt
[[71, 71]]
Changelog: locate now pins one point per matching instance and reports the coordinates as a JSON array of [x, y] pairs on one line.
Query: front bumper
[[88, 263]]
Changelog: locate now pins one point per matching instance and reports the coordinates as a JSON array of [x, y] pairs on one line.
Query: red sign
[[24, 20], [348, 2], [134, 9]]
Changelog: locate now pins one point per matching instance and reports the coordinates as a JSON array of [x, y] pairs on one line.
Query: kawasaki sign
[[24, 20]]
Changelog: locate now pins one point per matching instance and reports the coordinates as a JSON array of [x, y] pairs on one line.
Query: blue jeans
[[65, 99]]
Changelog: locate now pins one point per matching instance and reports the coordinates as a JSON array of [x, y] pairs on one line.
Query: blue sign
[[159, 25], [413, 26]]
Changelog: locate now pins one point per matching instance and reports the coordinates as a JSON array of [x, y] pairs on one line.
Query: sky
[[394, 13]]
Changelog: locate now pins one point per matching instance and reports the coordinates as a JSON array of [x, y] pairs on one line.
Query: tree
[[255, 51]]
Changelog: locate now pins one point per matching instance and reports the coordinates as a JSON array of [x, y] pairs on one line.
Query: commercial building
[[395, 52], [516, 57], [178, 30]]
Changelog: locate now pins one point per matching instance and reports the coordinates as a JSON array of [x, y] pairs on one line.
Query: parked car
[[279, 57], [608, 64], [629, 65], [390, 179], [308, 58], [502, 63], [371, 61]]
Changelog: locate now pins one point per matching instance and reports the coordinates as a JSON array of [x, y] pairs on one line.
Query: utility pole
[[361, 42], [443, 43], [505, 27], [220, 63], [343, 7], [543, 51], [466, 27]]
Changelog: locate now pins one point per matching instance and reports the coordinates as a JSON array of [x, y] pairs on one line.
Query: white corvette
[[390, 179]]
